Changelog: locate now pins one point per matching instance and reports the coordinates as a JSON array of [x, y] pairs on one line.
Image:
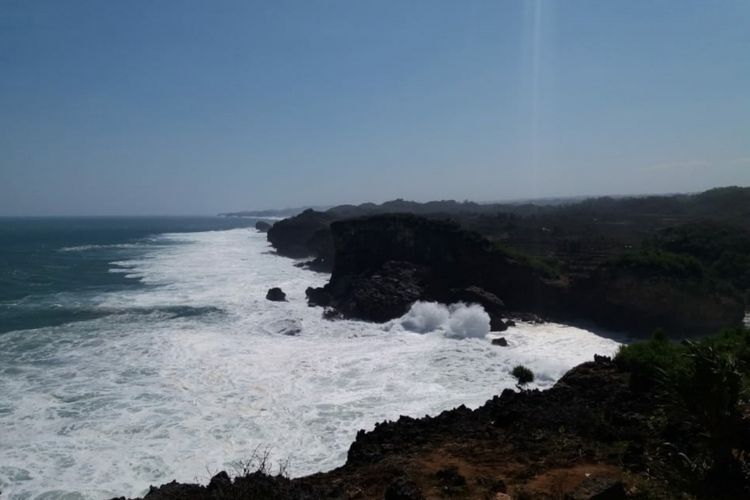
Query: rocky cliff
[[383, 263], [305, 235]]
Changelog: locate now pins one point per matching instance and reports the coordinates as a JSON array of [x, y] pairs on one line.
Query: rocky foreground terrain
[[594, 435]]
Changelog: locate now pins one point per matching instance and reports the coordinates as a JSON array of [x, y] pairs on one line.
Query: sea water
[[137, 351]]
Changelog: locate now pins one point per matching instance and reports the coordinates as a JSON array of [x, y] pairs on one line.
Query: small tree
[[523, 375]]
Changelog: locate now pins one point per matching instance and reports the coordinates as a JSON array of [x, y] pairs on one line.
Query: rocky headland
[[384, 263]]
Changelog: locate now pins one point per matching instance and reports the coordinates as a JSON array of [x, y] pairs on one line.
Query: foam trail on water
[[144, 395]]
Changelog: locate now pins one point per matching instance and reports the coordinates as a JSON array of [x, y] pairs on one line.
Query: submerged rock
[[276, 294], [500, 341], [290, 327]]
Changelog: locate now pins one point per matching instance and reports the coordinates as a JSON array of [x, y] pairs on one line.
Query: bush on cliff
[[647, 361], [653, 361], [702, 384], [523, 375]]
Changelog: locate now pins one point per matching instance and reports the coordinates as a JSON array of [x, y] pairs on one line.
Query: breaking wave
[[454, 321]]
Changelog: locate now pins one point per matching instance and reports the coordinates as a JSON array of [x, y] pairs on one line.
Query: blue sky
[[179, 107]]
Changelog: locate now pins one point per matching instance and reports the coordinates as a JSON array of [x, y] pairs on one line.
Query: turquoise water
[[52, 269]]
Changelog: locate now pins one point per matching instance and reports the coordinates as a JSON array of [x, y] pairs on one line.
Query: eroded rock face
[[380, 295], [276, 295], [638, 303], [304, 235], [384, 263]]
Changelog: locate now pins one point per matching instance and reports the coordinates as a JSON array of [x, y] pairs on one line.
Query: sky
[[196, 107]]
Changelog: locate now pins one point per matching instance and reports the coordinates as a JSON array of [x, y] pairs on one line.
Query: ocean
[[134, 351]]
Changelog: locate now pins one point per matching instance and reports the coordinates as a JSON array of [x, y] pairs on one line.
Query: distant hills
[[725, 203]]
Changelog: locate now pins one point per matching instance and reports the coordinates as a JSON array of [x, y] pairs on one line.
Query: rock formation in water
[[276, 295]]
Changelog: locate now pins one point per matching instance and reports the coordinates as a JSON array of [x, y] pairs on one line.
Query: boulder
[[497, 324], [500, 341], [276, 295], [262, 226], [478, 295], [219, 482]]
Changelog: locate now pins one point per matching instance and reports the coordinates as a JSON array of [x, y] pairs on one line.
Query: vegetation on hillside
[[703, 385]]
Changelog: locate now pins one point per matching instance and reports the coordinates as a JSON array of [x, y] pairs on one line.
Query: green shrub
[[648, 361], [523, 375]]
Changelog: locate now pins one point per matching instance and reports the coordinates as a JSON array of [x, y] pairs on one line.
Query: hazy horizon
[[189, 108], [325, 206]]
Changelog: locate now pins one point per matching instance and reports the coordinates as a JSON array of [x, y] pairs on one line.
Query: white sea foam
[[455, 321], [143, 396], [85, 248]]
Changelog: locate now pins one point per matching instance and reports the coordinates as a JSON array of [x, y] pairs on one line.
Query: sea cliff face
[[304, 235], [626, 301], [383, 263]]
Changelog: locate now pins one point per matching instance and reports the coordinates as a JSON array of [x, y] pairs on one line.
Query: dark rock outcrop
[[380, 295], [384, 263], [276, 295], [304, 235], [502, 342], [262, 226], [640, 301]]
